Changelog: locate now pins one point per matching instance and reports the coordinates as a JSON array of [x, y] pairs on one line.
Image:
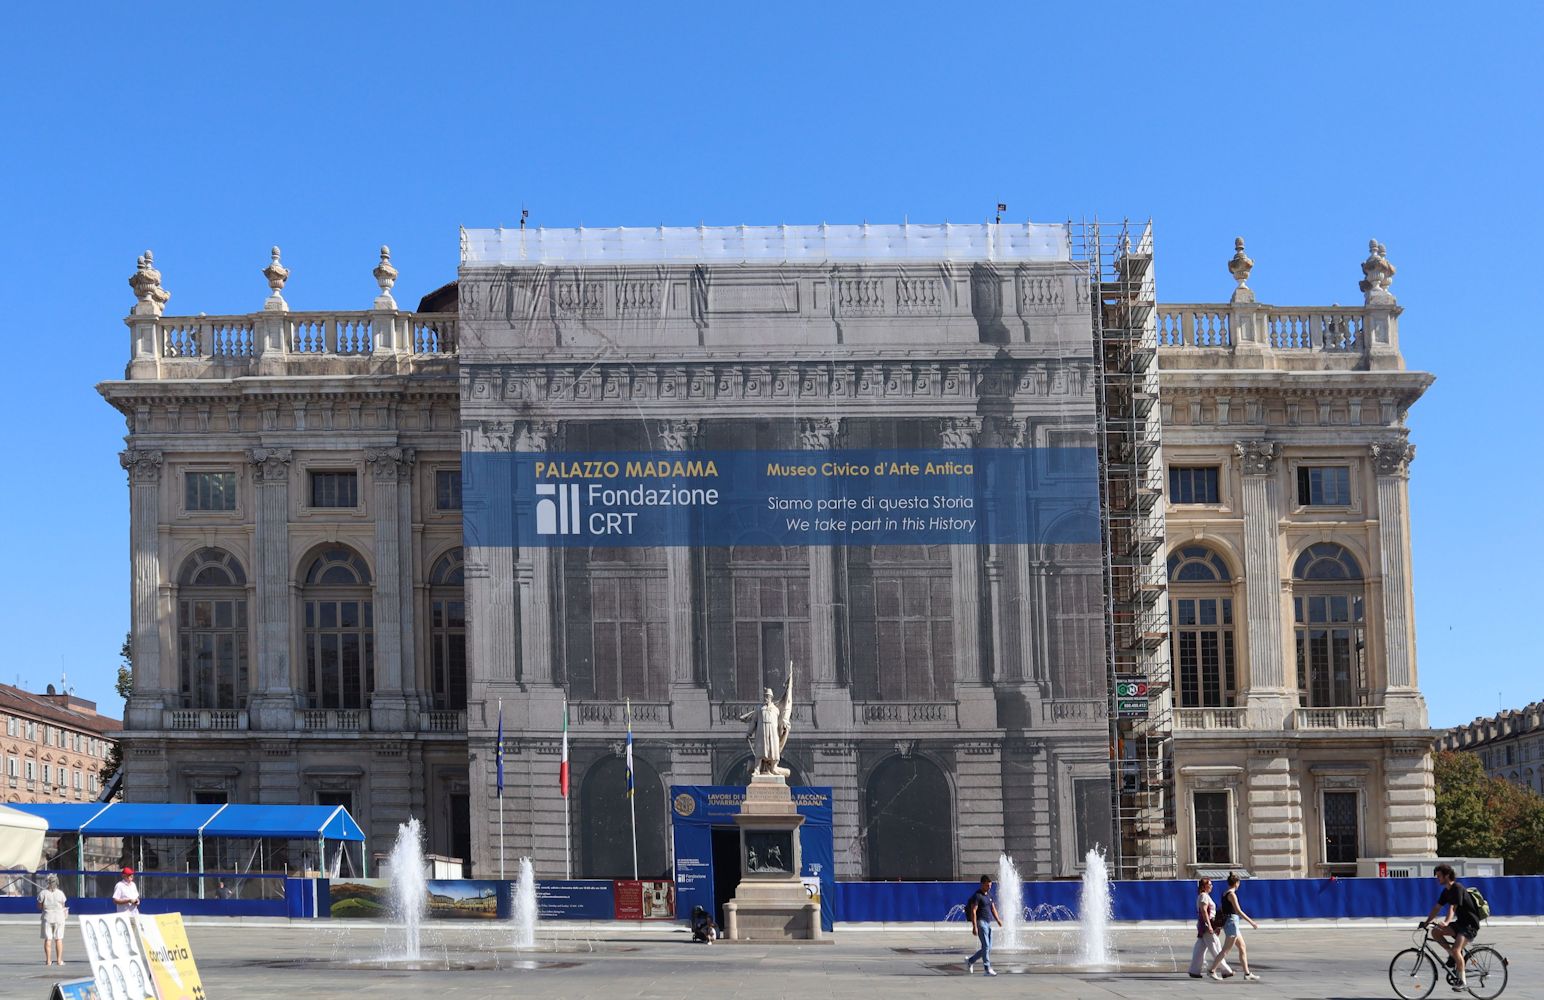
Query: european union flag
[[498, 755]]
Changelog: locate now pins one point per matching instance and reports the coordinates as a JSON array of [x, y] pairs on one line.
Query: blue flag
[[498, 754]]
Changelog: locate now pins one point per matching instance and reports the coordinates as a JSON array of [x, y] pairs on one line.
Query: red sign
[[1383, 869], [644, 900]]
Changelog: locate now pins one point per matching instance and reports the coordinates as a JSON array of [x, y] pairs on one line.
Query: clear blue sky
[[209, 132]]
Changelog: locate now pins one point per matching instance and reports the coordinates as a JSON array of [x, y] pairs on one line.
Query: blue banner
[[968, 496], [696, 809]]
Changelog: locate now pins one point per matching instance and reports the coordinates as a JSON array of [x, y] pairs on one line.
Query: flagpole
[[498, 752], [632, 807], [568, 851]]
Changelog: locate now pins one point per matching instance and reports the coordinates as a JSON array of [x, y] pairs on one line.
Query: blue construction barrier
[[1278, 899]]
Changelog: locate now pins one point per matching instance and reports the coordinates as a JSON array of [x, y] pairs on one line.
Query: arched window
[[212, 630], [339, 630], [605, 825], [902, 622], [1201, 637], [909, 812], [1329, 612], [447, 632]]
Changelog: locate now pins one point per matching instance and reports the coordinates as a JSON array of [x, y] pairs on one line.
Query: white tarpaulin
[[21, 840]]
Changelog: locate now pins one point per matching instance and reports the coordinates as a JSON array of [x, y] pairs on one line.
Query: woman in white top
[[55, 911], [1208, 943]]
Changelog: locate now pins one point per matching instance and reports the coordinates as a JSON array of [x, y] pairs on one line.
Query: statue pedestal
[[770, 903]]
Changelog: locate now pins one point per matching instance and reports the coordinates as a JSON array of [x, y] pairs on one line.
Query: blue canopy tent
[[175, 820]]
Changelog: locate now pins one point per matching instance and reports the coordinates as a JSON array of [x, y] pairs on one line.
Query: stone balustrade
[[1353, 717], [333, 720], [1355, 331], [240, 340], [1074, 711], [729, 712], [215, 719], [587, 714], [1209, 719], [442, 721], [909, 713]]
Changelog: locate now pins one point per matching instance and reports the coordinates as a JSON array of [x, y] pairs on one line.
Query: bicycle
[[1413, 972]]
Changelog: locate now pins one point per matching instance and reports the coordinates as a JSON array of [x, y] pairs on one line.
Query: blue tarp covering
[[145, 819]]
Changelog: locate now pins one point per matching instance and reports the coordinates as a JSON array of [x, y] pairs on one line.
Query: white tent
[[21, 839]]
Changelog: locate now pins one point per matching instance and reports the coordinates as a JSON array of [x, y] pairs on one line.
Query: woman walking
[[1231, 913], [54, 909], [1208, 943]]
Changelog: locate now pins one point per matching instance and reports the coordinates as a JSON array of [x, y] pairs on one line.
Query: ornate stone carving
[[906, 747], [142, 466], [678, 435], [1257, 458], [386, 277], [277, 274], [537, 435], [1239, 266], [146, 282], [391, 464], [1007, 432], [270, 465], [819, 433], [960, 432], [1377, 275], [1393, 457]]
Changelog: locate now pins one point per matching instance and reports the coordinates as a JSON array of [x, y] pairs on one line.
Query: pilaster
[[978, 704], [1271, 839], [979, 810], [1400, 697], [836, 764], [834, 699], [150, 694], [1409, 801], [273, 701], [389, 469], [688, 695], [1269, 700]]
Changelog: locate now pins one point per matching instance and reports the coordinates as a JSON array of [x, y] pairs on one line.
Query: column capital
[[1007, 432], [960, 432], [271, 465], [1392, 457], [819, 433], [1258, 457], [391, 464], [142, 465], [536, 435], [678, 435]]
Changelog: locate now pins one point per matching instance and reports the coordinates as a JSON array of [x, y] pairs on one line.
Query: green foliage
[[125, 683], [1483, 817], [358, 908]]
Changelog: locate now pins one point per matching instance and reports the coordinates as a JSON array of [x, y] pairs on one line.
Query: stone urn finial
[[1377, 275], [277, 274], [386, 277], [146, 282], [1240, 266]]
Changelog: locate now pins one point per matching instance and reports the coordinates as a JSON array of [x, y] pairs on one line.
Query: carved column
[[1391, 462], [389, 468], [682, 594], [822, 434], [150, 688], [538, 591], [1269, 699], [272, 699], [973, 689]]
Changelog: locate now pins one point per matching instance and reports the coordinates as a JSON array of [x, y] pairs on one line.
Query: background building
[[1510, 744], [309, 628], [53, 746]]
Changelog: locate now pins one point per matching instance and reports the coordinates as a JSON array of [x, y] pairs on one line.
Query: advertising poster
[[76, 989], [644, 900], [164, 942], [358, 897], [463, 899], [118, 962]]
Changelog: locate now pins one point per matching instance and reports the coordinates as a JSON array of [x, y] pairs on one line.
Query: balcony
[[1210, 719], [598, 714], [442, 721], [944, 714], [1354, 717], [729, 712], [314, 720], [1074, 712], [218, 719], [1207, 335]]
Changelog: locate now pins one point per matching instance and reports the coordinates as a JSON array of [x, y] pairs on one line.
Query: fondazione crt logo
[[729, 498]]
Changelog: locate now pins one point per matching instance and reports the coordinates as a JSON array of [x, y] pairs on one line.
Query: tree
[[1483, 817], [125, 687]]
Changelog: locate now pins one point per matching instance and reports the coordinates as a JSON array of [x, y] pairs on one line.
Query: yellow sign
[[170, 958]]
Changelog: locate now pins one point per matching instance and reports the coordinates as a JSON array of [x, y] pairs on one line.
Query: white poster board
[[117, 957]]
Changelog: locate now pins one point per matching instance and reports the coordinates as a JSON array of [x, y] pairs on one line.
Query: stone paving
[[278, 961]]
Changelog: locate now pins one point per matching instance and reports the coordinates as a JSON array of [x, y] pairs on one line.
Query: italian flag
[[563, 765]]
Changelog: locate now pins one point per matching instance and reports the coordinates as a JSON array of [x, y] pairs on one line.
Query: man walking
[[982, 912]]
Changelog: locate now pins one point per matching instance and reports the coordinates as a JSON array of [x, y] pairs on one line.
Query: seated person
[[703, 929]]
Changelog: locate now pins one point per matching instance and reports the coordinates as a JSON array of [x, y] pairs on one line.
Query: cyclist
[[1461, 926]]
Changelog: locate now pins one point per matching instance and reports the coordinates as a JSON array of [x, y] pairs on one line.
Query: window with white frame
[[32, 771], [10, 725], [48, 774], [12, 767], [1213, 818], [1329, 611]]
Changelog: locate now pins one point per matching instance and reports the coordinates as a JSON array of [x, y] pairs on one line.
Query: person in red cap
[[126, 893]]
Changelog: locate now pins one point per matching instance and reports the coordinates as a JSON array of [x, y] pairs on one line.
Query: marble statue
[[768, 732]]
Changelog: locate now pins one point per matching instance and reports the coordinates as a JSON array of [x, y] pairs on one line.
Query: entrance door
[[726, 868], [461, 830]]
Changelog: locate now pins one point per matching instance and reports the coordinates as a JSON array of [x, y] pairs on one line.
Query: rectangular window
[[12, 766], [210, 490], [1193, 484], [10, 726], [48, 774], [77, 780], [447, 489], [1324, 486], [1340, 828], [335, 489], [1214, 845], [32, 770]]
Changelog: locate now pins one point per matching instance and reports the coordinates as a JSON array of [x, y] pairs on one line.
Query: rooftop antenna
[[525, 213], [1002, 207]]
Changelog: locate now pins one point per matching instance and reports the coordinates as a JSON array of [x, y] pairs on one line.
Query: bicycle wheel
[[1485, 969], [1413, 974]]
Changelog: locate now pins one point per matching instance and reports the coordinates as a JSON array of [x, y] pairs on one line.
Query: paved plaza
[[276, 961]]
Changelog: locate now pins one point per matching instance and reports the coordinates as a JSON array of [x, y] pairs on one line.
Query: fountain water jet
[[525, 906], [1095, 911], [409, 888], [1010, 904]]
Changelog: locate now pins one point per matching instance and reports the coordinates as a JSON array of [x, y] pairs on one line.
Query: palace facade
[[338, 598]]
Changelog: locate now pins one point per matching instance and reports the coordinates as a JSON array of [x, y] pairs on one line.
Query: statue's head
[[768, 693]]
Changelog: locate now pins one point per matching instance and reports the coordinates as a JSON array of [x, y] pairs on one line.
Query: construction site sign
[[1130, 696]]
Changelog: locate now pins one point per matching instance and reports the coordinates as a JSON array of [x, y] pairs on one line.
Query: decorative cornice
[[142, 465], [1257, 458]]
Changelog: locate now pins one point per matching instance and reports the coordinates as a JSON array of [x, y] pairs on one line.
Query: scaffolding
[[1124, 301]]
